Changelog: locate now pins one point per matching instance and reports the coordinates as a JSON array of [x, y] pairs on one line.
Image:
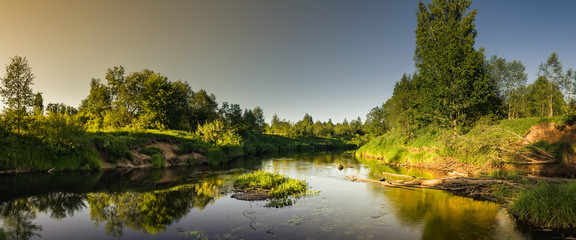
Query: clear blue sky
[[329, 58]]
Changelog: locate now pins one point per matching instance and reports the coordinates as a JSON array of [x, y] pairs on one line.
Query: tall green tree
[[97, 104], [376, 121], [510, 78], [130, 93], [260, 123], [552, 71], [179, 107], [157, 98], [115, 79], [38, 104], [398, 110], [567, 85], [16, 91], [538, 98], [275, 125], [454, 87], [231, 114], [204, 108]]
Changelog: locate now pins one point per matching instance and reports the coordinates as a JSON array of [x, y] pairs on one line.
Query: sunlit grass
[[278, 185], [550, 205], [482, 145]]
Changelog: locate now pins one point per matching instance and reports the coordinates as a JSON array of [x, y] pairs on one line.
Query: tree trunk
[[550, 98]]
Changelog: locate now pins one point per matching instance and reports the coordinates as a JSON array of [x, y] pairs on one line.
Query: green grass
[[549, 205], [150, 151], [28, 153], [279, 186], [157, 161], [482, 145], [395, 147]]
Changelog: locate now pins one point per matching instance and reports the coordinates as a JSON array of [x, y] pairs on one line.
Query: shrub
[[216, 156], [157, 161], [150, 151], [116, 147]]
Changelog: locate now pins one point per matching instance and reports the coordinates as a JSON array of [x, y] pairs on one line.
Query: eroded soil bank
[[166, 150]]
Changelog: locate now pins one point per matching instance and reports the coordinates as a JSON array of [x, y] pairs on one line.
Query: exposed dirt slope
[[168, 149], [551, 132]]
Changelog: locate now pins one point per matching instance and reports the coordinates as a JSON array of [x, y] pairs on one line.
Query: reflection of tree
[[18, 214], [150, 212], [441, 215]]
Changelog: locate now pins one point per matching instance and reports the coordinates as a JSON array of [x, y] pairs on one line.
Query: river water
[[195, 203]]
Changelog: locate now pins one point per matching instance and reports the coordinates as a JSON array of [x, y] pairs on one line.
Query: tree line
[[147, 100], [455, 85]]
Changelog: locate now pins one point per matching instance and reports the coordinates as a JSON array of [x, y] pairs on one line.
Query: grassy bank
[[85, 150], [548, 205], [488, 145], [497, 150]]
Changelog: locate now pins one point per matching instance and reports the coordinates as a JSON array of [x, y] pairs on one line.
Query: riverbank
[[140, 149], [514, 160]]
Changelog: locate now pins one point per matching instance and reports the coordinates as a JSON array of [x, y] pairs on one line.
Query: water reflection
[[146, 211], [177, 203], [151, 212]]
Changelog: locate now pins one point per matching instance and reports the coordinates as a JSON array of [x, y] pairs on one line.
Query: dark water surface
[[195, 203]]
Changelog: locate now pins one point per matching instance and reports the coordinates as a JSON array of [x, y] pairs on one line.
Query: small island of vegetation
[[262, 185]]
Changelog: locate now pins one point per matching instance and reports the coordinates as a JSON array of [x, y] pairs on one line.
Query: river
[[195, 203]]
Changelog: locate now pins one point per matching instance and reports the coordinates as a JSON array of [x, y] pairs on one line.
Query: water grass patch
[[266, 185]]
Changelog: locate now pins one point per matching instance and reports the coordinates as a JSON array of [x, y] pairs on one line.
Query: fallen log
[[401, 176], [548, 179], [463, 186]]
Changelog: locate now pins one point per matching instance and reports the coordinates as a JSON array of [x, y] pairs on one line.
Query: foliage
[[454, 87], [538, 97], [203, 108], [550, 206], [16, 92], [279, 186], [510, 78], [157, 161], [116, 147], [150, 151], [61, 132], [552, 72], [96, 104], [217, 133], [484, 145], [216, 156]]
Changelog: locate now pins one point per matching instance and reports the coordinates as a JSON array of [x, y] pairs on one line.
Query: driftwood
[[529, 143], [531, 160], [401, 176], [463, 186], [548, 179]]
